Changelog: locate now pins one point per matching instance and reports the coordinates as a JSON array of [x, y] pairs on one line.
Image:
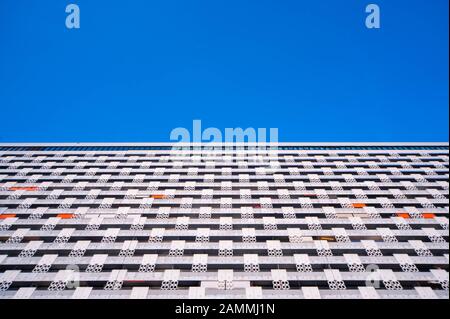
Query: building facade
[[285, 220]]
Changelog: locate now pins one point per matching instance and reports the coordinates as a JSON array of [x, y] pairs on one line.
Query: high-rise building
[[286, 220]]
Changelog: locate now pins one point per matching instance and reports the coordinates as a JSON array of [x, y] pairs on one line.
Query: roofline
[[231, 143]]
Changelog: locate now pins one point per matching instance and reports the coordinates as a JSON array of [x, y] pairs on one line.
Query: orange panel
[[404, 215], [428, 215], [65, 216], [358, 205], [158, 196], [30, 189], [4, 216]]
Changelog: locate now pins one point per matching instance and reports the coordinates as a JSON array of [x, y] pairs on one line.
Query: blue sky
[[137, 69]]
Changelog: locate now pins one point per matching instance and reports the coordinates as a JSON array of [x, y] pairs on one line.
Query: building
[[284, 220]]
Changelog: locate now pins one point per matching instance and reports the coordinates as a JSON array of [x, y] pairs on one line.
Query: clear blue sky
[[137, 69]]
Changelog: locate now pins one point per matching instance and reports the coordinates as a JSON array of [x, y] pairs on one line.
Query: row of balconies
[[192, 156], [215, 262], [215, 234], [430, 168], [214, 293], [264, 278], [189, 190], [214, 222], [302, 184], [224, 203], [258, 171], [238, 247], [224, 186]]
